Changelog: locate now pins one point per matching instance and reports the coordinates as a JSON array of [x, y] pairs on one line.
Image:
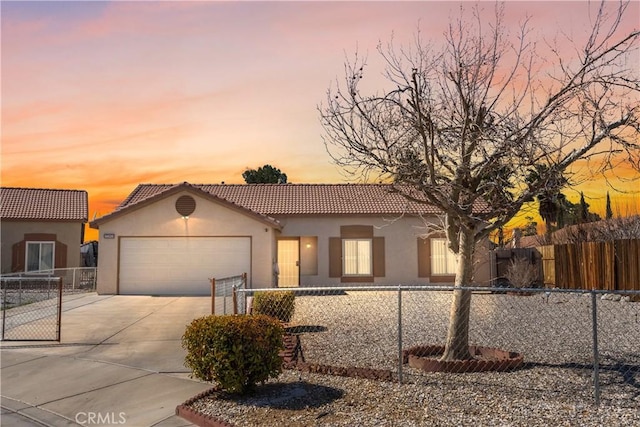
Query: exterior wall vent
[[185, 205]]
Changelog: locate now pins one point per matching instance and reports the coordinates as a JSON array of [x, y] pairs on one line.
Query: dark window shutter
[[17, 256], [378, 257], [61, 255], [335, 257], [424, 257]]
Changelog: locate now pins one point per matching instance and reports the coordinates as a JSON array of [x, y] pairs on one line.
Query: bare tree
[[464, 123]]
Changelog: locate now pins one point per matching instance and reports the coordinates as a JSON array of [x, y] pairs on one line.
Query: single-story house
[[41, 228], [171, 239]]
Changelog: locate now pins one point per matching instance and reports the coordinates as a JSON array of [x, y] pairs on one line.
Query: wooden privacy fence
[[613, 265]]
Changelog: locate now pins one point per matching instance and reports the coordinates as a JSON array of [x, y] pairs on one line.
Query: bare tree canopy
[[484, 117], [472, 117]]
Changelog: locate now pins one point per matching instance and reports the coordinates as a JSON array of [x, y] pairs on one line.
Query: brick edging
[[348, 371], [289, 361], [198, 418]]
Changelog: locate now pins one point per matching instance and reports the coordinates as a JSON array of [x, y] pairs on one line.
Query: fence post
[[213, 295], [243, 296], [400, 358], [235, 299], [224, 298], [4, 308], [596, 366], [59, 327], [73, 280]]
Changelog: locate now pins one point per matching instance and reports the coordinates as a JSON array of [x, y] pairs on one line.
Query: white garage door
[[180, 265]]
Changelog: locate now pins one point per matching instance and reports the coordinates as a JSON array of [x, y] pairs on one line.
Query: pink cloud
[[134, 92]]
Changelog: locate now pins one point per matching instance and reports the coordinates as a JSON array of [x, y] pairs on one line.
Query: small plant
[[236, 352], [521, 273], [280, 305]]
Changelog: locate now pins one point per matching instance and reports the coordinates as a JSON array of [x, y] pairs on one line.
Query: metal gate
[[31, 308]]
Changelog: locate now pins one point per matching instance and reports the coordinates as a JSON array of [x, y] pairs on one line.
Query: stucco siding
[[396, 236], [210, 219], [400, 241], [68, 233]]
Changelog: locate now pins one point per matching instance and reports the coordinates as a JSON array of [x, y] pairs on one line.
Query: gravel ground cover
[[554, 387]]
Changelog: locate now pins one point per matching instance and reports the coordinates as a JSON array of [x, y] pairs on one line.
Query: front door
[[289, 262]]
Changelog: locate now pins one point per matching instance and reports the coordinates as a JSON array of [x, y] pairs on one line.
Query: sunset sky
[[102, 96]]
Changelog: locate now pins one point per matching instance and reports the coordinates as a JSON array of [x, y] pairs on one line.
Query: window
[[39, 256], [357, 257], [443, 261]]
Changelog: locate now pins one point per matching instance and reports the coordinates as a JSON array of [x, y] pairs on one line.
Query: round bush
[[280, 305], [236, 352]]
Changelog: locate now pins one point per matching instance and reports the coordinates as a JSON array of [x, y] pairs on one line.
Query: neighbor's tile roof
[[299, 199], [43, 204]]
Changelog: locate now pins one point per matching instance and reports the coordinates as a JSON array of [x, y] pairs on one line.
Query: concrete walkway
[[119, 362]]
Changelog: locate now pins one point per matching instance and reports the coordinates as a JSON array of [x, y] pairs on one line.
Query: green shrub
[[236, 352], [275, 304]]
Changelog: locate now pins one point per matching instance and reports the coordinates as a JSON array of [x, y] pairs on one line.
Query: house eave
[[267, 220]]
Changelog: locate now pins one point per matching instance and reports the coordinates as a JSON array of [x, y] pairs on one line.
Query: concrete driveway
[[119, 362]]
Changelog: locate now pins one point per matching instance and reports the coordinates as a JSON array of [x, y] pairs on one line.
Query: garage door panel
[[180, 265]]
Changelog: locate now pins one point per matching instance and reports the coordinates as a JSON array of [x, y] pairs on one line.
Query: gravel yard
[[554, 387]]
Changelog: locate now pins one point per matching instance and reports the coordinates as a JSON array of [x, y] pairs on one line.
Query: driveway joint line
[[84, 305], [93, 389], [23, 362], [31, 417]]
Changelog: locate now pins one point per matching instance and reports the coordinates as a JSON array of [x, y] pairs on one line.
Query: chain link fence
[[32, 302], [568, 345]]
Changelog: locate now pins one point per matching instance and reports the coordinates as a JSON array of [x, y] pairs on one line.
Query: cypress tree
[[609, 213], [584, 209]]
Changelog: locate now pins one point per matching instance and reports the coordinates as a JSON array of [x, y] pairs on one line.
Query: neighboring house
[[89, 254], [170, 239], [41, 228]]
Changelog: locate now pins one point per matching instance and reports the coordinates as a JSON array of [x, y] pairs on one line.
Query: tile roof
[[43, 204], [299, 199]]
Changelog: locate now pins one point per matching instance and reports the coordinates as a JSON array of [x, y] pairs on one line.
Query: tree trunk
[[457, 343]]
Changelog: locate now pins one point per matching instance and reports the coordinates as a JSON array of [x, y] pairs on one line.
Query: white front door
[[289, 262]]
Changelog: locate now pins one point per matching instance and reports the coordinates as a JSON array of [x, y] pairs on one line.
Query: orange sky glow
[[102, 96]]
